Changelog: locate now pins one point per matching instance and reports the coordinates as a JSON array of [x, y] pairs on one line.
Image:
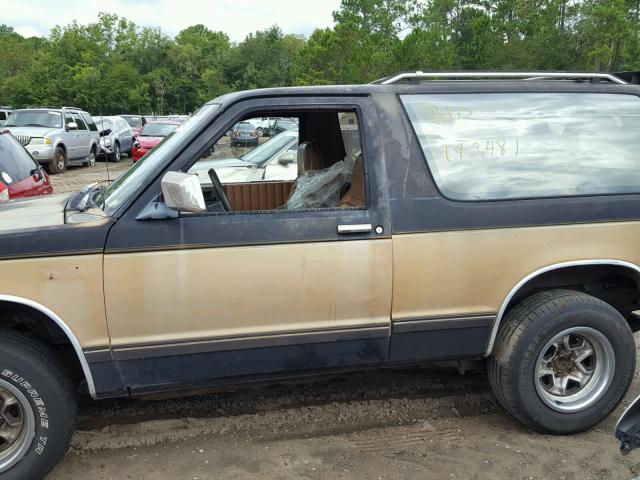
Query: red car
[[151, 135], [20, 175]]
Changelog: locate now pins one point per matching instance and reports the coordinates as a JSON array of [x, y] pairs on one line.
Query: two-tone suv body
[[446, 220], [56, 137]]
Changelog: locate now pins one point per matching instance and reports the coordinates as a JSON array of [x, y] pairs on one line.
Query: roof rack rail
[[506, 75], [8, 107], [71, 108]]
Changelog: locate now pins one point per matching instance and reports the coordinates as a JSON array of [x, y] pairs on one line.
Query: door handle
[[361, 228]]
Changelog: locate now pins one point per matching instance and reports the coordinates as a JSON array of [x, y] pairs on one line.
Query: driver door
[[228, 295]]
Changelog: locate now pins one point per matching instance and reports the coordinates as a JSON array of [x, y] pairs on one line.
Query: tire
[[91, 159], [116, 156], [259, 131], [59, 162], [525, 365], [38, 397]]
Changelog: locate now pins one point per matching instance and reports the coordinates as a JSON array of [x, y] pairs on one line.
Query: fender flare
[[65, 328], [536, 273]]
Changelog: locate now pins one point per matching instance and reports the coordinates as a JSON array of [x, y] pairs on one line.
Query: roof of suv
[[456, 82]]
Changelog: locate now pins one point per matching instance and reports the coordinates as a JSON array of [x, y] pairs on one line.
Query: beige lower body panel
[[460, 273], [71, 287], [187, 295]]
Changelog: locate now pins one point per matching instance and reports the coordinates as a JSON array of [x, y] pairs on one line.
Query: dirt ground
[[391, 424]]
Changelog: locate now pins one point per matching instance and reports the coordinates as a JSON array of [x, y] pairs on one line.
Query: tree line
[[114, 66]]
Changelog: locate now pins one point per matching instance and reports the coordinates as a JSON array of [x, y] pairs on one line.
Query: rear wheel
[[37, 408], [59, 162], [91, 159], [116, 156], [259, 132], [562, 362]]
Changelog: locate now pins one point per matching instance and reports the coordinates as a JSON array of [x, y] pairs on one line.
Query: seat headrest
[[309, 158]]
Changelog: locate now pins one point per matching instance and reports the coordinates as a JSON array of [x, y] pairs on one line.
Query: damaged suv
[[428, 218]]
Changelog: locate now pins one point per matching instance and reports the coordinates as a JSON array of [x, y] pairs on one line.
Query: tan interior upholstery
[[356, 195], [309, 158], [247, 197]]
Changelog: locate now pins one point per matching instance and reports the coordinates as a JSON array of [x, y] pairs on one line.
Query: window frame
[[436, 185], [135, 232], [82, 126], [297, 109]]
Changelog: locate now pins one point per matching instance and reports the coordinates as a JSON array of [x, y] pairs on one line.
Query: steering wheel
[[219, 190]]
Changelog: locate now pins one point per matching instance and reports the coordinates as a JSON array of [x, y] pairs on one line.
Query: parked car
[[178, 118], [136, 122], [116, 137], [4, 114], [151, 135], [20, 175], [244, 134], [481, 219], [627, 429], [56, 137], [274, 160], [282, 124]]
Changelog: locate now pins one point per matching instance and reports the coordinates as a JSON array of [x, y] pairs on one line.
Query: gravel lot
[[389, 424]]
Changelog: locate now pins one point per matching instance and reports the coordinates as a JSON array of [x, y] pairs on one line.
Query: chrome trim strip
[[518, 75], [68, 332], [531, 276], [360, 228]]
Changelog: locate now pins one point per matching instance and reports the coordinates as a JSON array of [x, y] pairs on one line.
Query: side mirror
[[287, 158], [182, 192], [37, 174], [72, 126]]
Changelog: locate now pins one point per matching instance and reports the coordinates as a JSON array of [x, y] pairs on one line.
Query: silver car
[[116, 137], [56, 137]]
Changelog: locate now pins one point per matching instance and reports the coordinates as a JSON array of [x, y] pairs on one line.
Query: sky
[[236, 18]]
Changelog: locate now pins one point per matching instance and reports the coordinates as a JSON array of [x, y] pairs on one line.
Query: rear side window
[[529, 145], [15, 163]]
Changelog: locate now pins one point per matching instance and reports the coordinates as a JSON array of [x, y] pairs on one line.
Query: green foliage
[[113, 66]]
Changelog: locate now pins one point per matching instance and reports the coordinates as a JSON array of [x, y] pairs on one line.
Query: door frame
[[152, 367]]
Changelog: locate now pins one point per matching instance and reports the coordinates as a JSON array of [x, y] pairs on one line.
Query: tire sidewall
[[54, 418], [53, 168], [117, 153], [92, 157], [596, 316]]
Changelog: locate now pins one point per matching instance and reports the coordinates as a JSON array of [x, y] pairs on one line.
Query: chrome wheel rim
[[17, 425], [60, 161], [92, 159], [116, 153], [574, 369]]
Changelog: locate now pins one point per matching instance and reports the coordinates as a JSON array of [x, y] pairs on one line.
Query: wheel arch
[[57, 323], [530, 278]]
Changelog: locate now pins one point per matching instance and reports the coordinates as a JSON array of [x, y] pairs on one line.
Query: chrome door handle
[[361, 228]]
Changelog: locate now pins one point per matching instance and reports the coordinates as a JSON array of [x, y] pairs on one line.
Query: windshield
[[34, 118], [157, 129], [261, 155], [133, 121], [148, 166]]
